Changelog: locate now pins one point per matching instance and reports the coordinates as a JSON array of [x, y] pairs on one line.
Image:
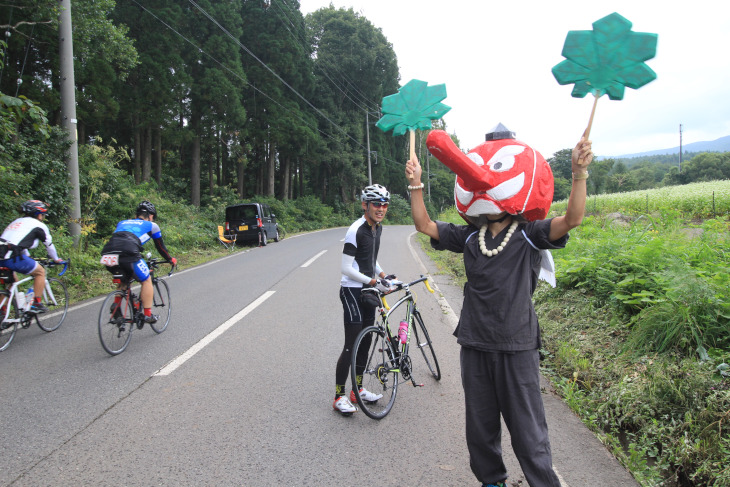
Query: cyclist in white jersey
[[23, 234], [360, 269]]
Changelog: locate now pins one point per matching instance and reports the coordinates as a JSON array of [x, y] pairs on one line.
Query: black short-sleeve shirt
[[498, 314]]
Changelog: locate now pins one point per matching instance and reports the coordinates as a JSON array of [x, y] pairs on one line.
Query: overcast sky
[[495, 58]]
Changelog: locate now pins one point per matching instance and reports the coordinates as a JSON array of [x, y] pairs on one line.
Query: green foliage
[[14, 111], [657, 277], [654, 387], [34, 167], [561, 188], [106, 190], [561, 164], [344, 41]]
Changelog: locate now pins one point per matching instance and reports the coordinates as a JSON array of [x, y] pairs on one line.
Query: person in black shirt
[[498, 329]]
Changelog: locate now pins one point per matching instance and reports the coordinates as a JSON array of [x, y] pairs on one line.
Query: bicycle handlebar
[[155, 264], [51, 263], [402, 285], [406, 285]]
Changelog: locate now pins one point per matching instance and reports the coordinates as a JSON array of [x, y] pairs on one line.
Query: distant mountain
[[719, 145]]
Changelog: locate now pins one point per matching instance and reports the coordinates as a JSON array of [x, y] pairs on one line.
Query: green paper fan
[[606, 59], [413, 107]]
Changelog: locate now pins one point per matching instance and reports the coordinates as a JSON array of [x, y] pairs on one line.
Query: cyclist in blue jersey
[[23, 234], [123, 252]]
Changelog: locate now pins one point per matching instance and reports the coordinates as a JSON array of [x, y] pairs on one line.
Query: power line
[[226, 68], [268, 68], [366, 104]]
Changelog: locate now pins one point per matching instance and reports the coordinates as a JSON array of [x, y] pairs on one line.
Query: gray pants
[[508, 384]]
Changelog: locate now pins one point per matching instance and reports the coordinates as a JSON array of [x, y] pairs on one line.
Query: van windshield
[[240, 213]]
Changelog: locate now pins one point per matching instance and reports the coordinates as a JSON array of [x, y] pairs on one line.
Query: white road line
[[307, 263], [181, 359]]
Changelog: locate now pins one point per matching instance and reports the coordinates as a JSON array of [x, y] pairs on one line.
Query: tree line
[[617, 175], [206, 97]]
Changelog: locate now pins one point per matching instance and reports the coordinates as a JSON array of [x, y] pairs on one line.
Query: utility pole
[[68, 115], [367, 131], [680, 148]]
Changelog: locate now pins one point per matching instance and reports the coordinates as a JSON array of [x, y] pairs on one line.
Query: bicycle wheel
[[57, 303], [423, 342], [161, 305], [8, 310], [116, 320], [379, 373]]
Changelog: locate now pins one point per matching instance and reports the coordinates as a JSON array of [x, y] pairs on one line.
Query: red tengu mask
[[501, 174]]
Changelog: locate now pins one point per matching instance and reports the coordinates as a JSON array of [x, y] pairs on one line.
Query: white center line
[[181, 359], [307, 263]]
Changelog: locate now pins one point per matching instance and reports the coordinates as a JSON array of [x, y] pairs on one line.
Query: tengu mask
[[501, 174]]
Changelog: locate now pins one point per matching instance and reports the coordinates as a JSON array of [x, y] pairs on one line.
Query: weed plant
[[655, 392]]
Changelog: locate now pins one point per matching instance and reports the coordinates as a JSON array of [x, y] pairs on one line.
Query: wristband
[[580, 175], [411, 188]]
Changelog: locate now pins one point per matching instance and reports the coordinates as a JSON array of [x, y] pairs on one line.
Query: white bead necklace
[[483, 246]]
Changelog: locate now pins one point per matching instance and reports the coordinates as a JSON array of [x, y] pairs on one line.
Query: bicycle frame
[[403, 367], [125, 286], [122, 310], [16, 307], [379, 359], [15, 293]]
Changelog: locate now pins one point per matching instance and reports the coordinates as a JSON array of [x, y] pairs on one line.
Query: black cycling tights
[[343, 363]]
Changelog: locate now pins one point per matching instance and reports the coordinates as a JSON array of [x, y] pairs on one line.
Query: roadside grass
[[636, 339]]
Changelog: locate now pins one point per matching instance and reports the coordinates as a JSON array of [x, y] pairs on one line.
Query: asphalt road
[[238, 389]]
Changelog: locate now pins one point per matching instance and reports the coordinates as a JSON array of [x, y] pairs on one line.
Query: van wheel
[[263, 241], [277, 237]]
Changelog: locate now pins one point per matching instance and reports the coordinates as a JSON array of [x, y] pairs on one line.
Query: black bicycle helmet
[[146, 207], [375, 192], [34, 208]]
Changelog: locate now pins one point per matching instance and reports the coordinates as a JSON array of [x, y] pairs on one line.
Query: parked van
[[251, 222]]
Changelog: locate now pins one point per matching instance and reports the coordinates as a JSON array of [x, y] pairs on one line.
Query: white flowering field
[[696, 200]]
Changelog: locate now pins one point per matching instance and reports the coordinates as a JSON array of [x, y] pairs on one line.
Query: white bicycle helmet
[[375, 192]]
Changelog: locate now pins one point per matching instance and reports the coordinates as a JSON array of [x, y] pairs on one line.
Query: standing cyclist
[[360, 269], [23, 234], [123, 252]]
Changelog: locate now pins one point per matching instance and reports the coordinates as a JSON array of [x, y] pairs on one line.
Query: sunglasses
[[379, 205]]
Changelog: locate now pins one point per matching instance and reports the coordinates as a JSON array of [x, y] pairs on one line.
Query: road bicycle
[[122, 309], [15, 308], [388, 356]]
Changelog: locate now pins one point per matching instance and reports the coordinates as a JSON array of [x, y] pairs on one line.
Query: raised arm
[[581, 158], [423, 222]]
